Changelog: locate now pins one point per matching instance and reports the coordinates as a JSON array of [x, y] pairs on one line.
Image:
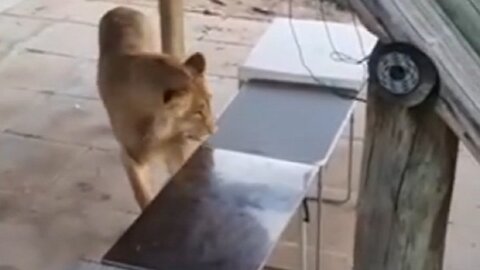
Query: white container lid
[[276, 57]]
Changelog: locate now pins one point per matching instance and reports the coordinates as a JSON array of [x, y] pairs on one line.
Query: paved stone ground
[[63, 194]]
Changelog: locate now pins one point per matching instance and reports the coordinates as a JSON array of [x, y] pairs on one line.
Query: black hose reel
[[405, 74]]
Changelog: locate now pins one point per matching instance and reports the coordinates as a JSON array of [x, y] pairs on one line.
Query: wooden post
[[172, 28], [407, 177]]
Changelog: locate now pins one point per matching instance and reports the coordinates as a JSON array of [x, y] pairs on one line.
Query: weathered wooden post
[[411, 143], [171, 26], [407, 178]]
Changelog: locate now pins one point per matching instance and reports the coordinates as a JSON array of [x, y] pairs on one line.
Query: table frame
[[303, 245]]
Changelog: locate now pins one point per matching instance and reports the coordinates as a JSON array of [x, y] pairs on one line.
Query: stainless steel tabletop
[[292, 122]]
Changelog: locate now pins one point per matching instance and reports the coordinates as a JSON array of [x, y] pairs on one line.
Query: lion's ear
[[196, 64], [170, 95], [172, 75], [164, 72]]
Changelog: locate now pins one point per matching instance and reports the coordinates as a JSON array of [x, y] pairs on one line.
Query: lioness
[[155, 102]]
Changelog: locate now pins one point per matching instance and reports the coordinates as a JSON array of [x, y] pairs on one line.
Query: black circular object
[[405, 73], [397, 72]]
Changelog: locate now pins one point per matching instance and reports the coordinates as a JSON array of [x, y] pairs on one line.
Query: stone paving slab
[[96, 177], [82, 82], [29, 166], [236, 31], [463, 248], [66, 39], [465, 208], [67, 120], [36, 71], [54, 234], [14, 103], [6, 4], [44, 9], [16, 30]]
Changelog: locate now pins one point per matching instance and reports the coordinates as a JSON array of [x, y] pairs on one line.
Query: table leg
[[303, 245], [318, 239], [348, 196], [303, 239]]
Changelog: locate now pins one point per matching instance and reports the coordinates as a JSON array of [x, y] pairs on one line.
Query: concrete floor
[[63, 194]]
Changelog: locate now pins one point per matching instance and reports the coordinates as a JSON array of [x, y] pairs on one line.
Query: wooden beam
[[406, 187], [425, 24], [466, 17], [370, 22], [172, 27]]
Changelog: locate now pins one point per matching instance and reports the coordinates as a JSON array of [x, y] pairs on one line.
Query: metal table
[[289, 120], [292, 122]]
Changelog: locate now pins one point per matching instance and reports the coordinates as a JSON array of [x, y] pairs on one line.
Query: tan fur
[[155, 102]]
